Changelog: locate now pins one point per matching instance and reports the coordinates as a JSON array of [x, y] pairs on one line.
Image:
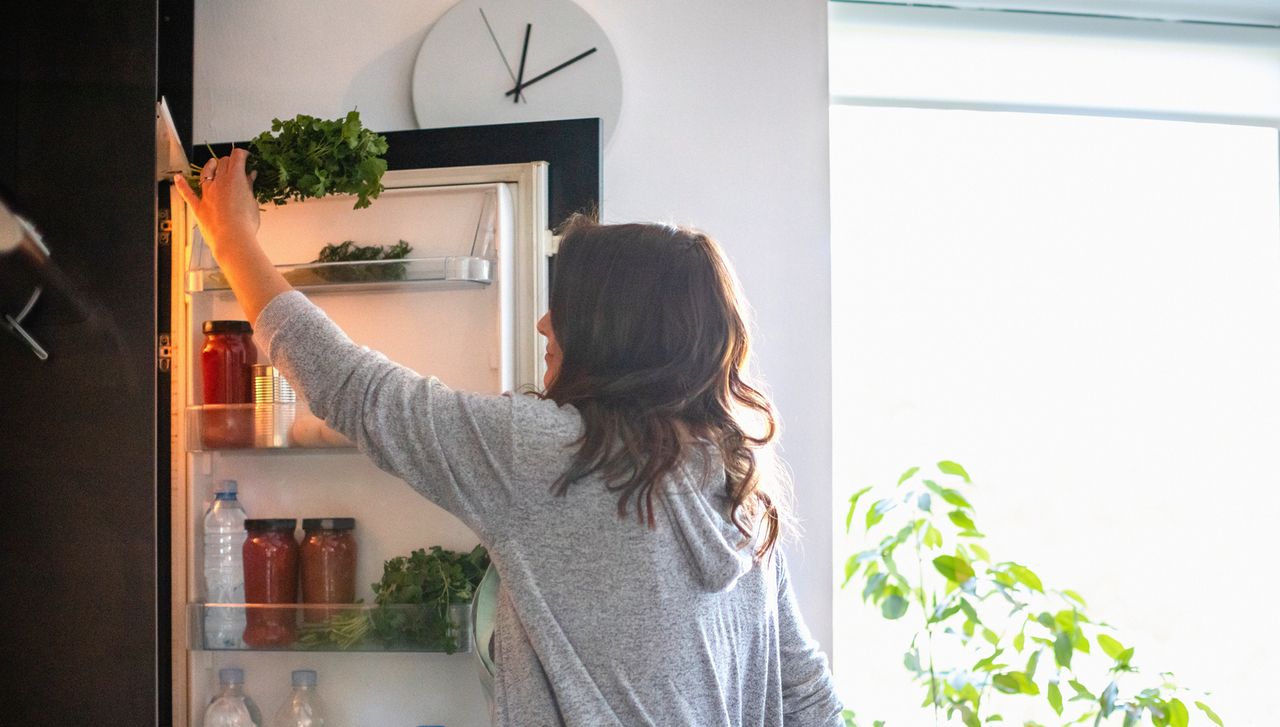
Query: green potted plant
[[993, 643]]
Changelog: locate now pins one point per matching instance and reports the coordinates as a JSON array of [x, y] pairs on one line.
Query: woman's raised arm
[[228, 217]]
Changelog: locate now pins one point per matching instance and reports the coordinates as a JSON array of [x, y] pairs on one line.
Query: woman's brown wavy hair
[[654, 346]]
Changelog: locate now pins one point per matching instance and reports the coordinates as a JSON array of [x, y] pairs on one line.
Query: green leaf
[[961, 520], [1005, 683], [1018, 641], [986, 664], [851, 567], [1055, 698], [1178, 716], [907, 475], [853, 505], [979, 552], [1025, 685], [932, 537], [952, 468], [969, 611], [1032, 663], [954, 569], [1081, 691], [1075, 597], [1109, 645], [1108, 699], [949, 495], [874, 585], [1026, 576], [877, 511], [1062, 650], [894, 607], [924, 502], [911, 660], [1209, 713]]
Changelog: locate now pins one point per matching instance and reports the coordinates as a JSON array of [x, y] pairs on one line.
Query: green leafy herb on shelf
[[309, 157], [431, 581], [436, 580], [349, 251]]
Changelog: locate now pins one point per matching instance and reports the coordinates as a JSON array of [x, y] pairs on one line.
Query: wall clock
[[479, 52]]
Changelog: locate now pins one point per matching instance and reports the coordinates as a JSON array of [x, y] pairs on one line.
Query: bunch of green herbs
[[413, 604], [307, 157], [349, 251]]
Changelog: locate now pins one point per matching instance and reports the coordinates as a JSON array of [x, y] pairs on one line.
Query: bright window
[[1085, 312]]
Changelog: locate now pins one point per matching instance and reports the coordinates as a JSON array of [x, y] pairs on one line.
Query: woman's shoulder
[[543, 418]]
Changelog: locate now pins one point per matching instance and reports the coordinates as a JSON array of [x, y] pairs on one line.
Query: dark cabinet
[[78, 549]]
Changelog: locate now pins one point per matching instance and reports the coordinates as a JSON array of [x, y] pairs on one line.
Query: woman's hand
[[226, 209], [228, 217]]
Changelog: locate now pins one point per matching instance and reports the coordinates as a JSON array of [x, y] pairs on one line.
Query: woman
[[625, 509]]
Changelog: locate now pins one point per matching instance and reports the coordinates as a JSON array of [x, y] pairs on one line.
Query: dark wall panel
[[77, 432]]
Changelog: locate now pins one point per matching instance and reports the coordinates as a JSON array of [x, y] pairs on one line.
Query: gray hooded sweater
[[601, 620]]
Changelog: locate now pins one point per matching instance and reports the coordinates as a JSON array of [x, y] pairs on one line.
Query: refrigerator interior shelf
[[453, 271], [335, 627], [278, 426]]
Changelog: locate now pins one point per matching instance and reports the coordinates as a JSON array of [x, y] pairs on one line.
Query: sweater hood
[[700, 516]]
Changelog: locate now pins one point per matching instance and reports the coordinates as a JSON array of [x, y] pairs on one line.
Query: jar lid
[[227, 327], [271, 524], [329, 523]]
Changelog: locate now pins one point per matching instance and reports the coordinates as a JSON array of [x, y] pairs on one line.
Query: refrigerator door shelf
[[451, 272], [275, 426], [355, 627]]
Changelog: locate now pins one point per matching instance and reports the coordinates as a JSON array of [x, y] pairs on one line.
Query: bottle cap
[[226, 490], [227, 327], [231, 676], [304, 678], [329, 523], [270, 524]]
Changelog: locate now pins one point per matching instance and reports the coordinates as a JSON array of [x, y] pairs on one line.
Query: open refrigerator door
[[461, 305]]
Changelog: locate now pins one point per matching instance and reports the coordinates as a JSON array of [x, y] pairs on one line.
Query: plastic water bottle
[[303, 707], [231, 707], [224, 569]]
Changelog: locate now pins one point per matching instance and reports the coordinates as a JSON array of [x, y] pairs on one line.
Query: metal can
[[275, 406]]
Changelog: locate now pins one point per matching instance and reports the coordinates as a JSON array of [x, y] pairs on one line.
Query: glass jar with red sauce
[[226, 378], [328, 565], [270, 577]]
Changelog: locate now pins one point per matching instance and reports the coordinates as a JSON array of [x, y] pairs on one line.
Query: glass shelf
[[455, 271], [351, 627], [259, 427]]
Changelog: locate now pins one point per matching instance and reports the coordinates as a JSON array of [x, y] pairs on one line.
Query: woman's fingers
[[235, 162], [210, 169], [185, 190]]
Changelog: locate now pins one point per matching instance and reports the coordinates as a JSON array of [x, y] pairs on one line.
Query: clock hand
[[539, 77], [498, 45], [524, 52]]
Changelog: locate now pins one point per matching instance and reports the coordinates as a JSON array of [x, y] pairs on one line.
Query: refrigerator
[[462, 306]]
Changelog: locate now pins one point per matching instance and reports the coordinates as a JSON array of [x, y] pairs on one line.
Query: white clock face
[[470, 62]]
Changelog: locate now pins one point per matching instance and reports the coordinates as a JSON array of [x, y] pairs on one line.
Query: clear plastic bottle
[[224, 568], [231, 707], [303, 708]]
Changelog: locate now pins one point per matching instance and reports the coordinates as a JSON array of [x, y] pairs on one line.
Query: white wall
[[723, 126]]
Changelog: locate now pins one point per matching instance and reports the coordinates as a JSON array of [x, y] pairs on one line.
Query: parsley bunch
[[309, 157], [349, 251], [436, 581], [431, 581]]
